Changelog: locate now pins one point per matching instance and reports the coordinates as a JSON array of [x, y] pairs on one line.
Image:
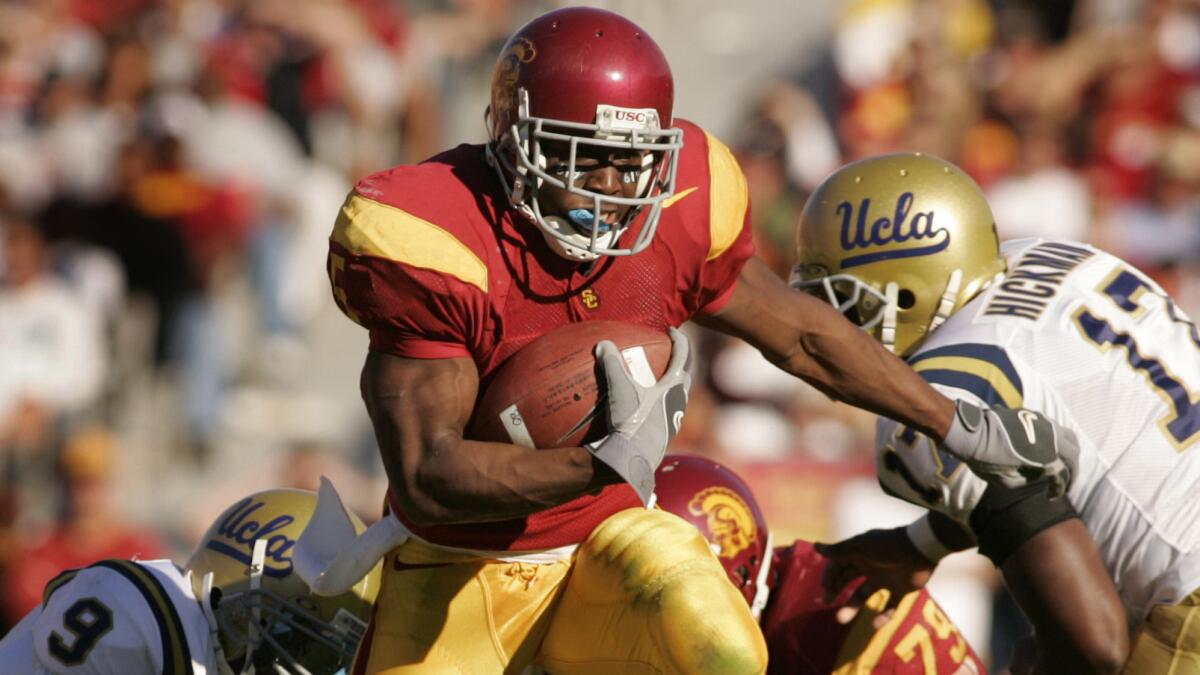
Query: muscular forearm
[[419, 410], [848, 364], [471, 481], [811, 340], [1061, 584]]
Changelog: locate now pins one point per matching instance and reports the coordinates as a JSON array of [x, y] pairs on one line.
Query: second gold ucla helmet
[[265, 617], [897, 243]]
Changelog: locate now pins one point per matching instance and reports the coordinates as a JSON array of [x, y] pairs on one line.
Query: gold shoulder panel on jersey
[[367, 227], [983, 370], [56, 583], [176, 657], [729, 198]]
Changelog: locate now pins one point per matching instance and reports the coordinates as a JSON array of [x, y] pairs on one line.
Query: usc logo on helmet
[[730, 521], [508, 69]]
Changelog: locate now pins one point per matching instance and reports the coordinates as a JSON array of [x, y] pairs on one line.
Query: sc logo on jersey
[[589, 298]]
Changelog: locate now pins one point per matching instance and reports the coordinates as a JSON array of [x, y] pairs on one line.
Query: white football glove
[[642, 420], [1013, 446]]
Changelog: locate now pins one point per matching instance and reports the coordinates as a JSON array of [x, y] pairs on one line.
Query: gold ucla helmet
[[265, 617], [897, 243]]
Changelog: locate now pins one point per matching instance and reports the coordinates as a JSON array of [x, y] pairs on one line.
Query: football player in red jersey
[[783, 586], [458, 262]]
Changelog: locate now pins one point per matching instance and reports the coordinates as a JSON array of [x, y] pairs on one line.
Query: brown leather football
[[547, 394]]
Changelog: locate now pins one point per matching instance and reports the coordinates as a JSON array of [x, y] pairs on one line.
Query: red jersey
[[804, 637], [433, 261]]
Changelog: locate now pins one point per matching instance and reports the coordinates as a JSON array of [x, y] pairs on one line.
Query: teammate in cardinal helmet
[[590, 201], [235, 607], [1055, 326], [782, 584]]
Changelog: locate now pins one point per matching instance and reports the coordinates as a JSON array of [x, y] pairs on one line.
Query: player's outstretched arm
[[807, 337], [419, 408], [810, 339]]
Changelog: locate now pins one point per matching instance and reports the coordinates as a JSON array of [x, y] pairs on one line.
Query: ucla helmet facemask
[[263, 616], [897, 243]]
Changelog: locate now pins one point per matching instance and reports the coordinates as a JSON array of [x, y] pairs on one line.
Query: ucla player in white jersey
[[905, 245], [236, 607]]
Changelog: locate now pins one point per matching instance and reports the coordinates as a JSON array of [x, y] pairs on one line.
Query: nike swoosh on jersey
[[670, 201]]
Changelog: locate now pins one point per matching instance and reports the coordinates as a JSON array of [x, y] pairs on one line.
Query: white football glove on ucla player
[[1013, 446], [642, 419]]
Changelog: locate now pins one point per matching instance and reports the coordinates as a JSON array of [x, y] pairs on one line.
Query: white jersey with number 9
[[116, 616]]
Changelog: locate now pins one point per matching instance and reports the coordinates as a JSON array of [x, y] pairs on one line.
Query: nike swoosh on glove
[[1013, 446], [643, 420]]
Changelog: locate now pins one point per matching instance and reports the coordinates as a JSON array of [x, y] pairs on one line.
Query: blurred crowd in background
[[170, 171]]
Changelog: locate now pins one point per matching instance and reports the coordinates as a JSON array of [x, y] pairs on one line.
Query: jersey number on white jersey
[[1126, 289], [87, 620]]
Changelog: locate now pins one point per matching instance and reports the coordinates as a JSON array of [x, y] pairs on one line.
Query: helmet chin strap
[[891, 306], [253, 639], [214, 629], [762, 591], [946, 305]]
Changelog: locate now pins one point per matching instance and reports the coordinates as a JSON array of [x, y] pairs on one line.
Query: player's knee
[[659, 562], [744, 653], [726, 645], [645, 545], [716, 632], [622, 533]]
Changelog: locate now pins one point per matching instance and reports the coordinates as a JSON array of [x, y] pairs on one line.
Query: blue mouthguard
[[585, 218]]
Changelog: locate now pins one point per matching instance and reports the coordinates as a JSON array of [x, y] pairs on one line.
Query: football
[[547, 394]]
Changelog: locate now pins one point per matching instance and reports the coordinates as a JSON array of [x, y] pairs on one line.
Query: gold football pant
[[643, 594], [1168, 641]]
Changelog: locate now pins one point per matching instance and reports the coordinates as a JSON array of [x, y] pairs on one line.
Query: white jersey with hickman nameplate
[[1090, 341], [116, 617]]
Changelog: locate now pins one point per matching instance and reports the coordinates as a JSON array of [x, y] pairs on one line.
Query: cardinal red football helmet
[[583, 77], [719, 503]]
